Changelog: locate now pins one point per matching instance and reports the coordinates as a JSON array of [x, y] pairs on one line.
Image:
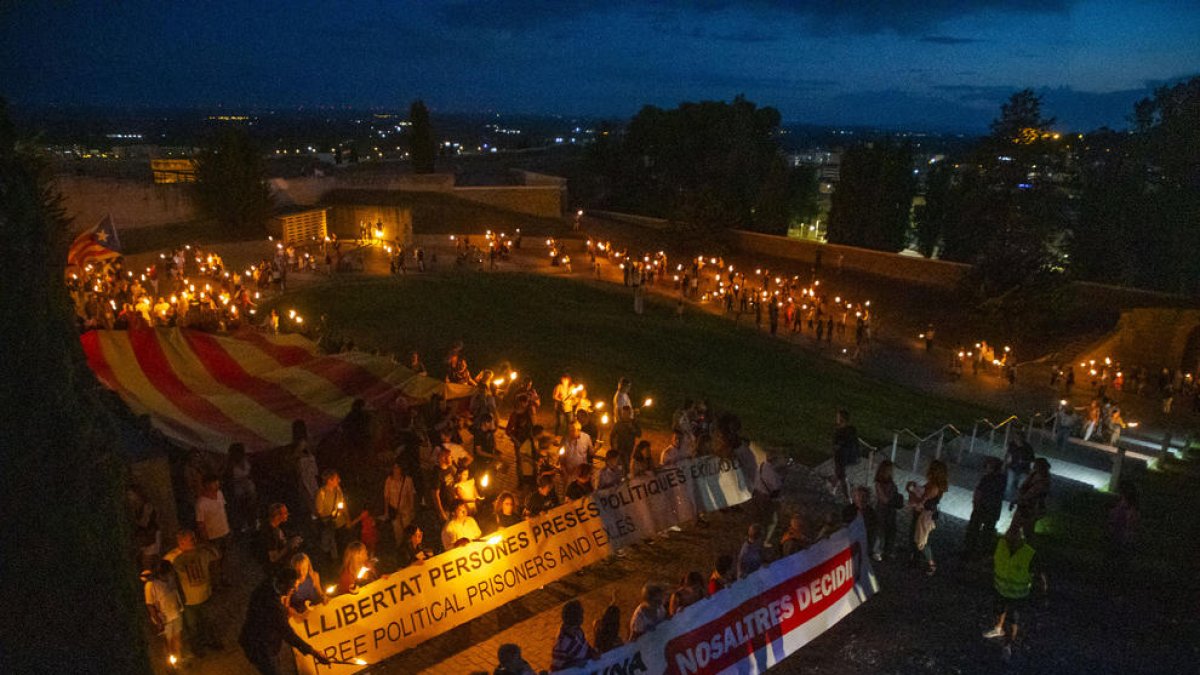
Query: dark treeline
[[712, 165], [1028, 205]]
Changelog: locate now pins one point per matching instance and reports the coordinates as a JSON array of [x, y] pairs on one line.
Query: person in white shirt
[[458, 454], [576, 451], [621, 398], [400, 499], [460, 529], [165, 606], [212, 521], [649, 613]]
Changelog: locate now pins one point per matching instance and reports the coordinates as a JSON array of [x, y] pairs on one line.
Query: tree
[[711, 165], [422, 148], [66, 569], [932, 219], [231, 185], [873, 200]]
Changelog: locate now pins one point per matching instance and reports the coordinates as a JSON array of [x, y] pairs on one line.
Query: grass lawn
[[542, 325]]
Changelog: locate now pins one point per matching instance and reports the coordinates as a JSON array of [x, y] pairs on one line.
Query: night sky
[[934, 64]]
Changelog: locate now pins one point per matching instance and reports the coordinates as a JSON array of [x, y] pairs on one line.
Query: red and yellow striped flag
[[207, 391]]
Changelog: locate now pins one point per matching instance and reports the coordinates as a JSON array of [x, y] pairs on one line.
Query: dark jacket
[[267, 626]]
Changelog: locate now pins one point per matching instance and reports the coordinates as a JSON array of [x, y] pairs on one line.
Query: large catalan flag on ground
[[207, 391]]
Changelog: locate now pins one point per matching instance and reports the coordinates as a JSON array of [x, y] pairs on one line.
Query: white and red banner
[[414, 604], [758, 621]]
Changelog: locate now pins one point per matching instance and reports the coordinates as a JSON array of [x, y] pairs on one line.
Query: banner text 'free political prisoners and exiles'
[[421, 601], [758, 621]]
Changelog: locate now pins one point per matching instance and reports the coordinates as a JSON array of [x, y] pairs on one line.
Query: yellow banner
[[418, 602]]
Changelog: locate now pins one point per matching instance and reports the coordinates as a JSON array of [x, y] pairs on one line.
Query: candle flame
[[483, 482], [647, 403], [512, 376], [172, 659], [604, 418], [362, 572], [330, 589], [495, 539]]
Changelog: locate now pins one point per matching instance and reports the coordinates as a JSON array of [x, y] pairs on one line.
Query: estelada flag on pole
[[99, 242]]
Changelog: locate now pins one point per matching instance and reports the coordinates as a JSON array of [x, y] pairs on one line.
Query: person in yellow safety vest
[[1014, 573]]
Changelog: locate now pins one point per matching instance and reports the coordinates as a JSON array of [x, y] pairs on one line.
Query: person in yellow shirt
[[1013, 564], [193, 568]]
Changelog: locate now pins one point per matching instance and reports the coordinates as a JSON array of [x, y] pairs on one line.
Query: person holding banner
[[607, 629], [511, 661], [358, 569], [649, 613], [460, 529], [543, 499], [571, 649], [266, 626]]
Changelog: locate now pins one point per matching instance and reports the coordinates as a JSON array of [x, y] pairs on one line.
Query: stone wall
[[397, 221], [923, 271], [309, 189], [1154, 337], [544, 201], [132, 203]]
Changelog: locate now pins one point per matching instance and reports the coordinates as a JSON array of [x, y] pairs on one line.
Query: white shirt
[[644, 619], [164, 597], [399, 494], [457, 452], [620, 400], [576, 451], [466, 528], [308, 475], [211, 512]]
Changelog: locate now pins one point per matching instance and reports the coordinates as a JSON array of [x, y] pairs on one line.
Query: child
[[165, 607], [368, 533]]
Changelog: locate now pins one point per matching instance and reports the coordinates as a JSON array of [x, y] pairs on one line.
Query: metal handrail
[[937, 431], [941, 440], [1008, 420]]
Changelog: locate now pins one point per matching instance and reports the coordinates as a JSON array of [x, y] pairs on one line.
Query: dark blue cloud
[[861, 16], [891, 62], [947, 40]]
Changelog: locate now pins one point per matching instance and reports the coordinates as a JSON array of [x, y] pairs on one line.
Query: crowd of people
[[776, 302], [187, 286], [435, 487], [1106, 377]]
